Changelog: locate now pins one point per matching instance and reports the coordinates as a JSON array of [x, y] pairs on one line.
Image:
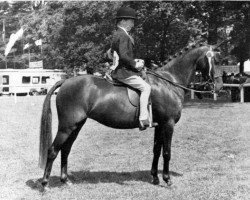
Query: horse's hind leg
[[62, 136], [158, 141], [65, 152]]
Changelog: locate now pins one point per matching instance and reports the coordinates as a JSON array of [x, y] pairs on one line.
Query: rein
[[149, 71]]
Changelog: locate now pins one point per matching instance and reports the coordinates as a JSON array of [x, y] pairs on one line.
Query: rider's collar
[[123, 29]]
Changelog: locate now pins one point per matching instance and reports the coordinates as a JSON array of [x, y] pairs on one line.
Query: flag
[[26, 46], [19, 34], [10, 44], [13, 38], [38, 42]]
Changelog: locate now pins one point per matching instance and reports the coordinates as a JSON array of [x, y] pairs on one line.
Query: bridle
[[210, 54], [149, 71]]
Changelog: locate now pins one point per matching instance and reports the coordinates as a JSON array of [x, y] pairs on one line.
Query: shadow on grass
[[90, 177]]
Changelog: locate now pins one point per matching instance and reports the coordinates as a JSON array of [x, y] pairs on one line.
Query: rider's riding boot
[[153, 124], [143, 124]]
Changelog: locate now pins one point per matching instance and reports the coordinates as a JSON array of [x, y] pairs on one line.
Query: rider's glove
[[139, 64]]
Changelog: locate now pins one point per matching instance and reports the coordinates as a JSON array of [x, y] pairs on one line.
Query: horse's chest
[[168, 106]]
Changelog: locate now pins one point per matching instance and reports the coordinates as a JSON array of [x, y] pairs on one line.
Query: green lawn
[[210, 156]]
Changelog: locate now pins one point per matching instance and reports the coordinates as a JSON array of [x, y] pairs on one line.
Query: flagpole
[[3, 35], [14, 60], [22, 45], [41, 49], [29, 58]]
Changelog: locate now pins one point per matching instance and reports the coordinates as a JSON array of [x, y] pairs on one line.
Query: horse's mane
[[182, 51]]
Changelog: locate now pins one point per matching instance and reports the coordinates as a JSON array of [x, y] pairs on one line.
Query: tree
[[86, 33], [76, 34], [240, 20], [161, 29]]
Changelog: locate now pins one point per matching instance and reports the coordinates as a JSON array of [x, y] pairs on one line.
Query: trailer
[[28, 81]]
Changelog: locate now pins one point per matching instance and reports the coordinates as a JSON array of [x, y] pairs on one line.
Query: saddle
[[133, 94]]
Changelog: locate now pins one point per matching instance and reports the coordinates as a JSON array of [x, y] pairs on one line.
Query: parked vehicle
[[28, 81]]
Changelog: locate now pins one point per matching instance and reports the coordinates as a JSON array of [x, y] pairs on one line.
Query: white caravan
[[29, 81]]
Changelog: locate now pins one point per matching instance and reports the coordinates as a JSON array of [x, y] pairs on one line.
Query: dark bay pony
[[93, 97]]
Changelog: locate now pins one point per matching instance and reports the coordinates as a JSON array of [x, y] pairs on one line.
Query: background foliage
[[76, 34]]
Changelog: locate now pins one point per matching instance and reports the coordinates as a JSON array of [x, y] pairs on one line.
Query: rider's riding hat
[[126, 13]]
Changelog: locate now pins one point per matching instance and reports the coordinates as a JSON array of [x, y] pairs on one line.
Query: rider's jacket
[[123, 44]]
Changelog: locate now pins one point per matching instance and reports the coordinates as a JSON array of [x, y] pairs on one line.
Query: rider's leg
[[145, 89]]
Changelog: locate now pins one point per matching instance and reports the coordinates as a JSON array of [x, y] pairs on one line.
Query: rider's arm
[[126, 52]]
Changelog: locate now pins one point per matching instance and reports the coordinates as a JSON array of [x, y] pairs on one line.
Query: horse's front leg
[[158, 141], [167, 139]]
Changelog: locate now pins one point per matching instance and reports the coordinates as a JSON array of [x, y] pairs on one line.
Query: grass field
[[210, 156]]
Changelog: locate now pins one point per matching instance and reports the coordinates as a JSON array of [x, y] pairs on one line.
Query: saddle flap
[[133, 96]]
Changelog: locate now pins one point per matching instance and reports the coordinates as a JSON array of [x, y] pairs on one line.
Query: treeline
[[75, 35]]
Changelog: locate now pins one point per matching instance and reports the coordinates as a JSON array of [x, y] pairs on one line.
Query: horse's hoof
[[44, 187], [66, 181], [44, 183], [167, 179], [169, 182], [156, 181]]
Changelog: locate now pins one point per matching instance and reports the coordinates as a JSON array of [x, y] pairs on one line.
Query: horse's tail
[[45, 128]]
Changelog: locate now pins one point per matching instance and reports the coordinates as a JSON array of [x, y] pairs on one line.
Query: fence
[[25, 89], [240, 86]]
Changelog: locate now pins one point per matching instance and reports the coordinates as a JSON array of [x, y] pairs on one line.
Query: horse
[[89, 96]]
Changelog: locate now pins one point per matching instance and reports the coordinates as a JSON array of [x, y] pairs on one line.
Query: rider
[[129, 69]]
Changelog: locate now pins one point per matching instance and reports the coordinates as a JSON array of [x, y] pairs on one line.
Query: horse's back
[[94, 97]]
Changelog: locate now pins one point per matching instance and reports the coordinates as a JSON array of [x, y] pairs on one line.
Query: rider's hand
[[139, 64]]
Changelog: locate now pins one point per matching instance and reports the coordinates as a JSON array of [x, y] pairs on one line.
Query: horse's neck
[[182, 69], [181, 72]]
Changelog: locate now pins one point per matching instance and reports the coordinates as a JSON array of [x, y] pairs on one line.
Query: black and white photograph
[[122, 100]]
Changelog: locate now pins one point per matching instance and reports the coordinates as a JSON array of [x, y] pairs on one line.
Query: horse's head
[[207, 64]]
